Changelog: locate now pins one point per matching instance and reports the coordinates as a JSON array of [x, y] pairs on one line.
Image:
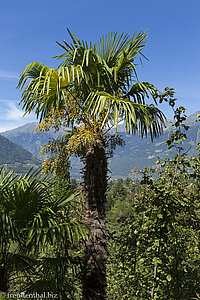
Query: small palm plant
[[33, 220]]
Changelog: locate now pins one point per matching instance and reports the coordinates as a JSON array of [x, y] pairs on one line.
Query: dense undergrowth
[[152, 228]]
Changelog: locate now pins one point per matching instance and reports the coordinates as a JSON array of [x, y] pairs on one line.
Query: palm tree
[[34, 218], [93, 89]]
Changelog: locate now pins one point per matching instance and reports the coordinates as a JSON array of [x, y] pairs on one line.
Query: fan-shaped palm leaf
[[105, 67], [32, 216]]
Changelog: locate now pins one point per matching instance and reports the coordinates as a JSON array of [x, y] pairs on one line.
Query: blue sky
[[29, 29]]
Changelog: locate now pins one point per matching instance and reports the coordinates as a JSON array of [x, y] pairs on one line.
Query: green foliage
[[119, 191], [15, 157], [157, 231], [154, 244], [153, 230], [38, 235]]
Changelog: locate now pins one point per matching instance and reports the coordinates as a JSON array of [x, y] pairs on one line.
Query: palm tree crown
[[99, 79]]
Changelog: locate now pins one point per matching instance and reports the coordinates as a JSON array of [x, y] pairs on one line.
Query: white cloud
[[7, 127], [11, 116], [9, 75], [8, 101], [13, 113]]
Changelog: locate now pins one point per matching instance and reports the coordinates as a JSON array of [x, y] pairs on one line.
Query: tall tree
[[93, 89]]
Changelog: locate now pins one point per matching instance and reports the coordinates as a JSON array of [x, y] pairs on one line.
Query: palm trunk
[[95, 253]]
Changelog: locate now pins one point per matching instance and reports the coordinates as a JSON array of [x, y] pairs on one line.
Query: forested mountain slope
[[137, 153], [15, 157], [25, 137]]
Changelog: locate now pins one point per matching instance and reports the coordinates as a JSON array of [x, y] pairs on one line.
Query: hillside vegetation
[[137, 153], [152, 228], [15, 157]]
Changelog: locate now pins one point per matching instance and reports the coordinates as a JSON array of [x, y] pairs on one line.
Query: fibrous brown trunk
[[95, 253]]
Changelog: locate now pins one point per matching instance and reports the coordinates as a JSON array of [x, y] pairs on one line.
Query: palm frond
[[54, 275], [137, 116], [110, 46], [44, 91], [6, 179], [20, 263], [101, 77]]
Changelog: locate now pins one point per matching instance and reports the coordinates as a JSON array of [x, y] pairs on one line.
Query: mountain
[[25, 137], [137, 153], [15, 157]]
